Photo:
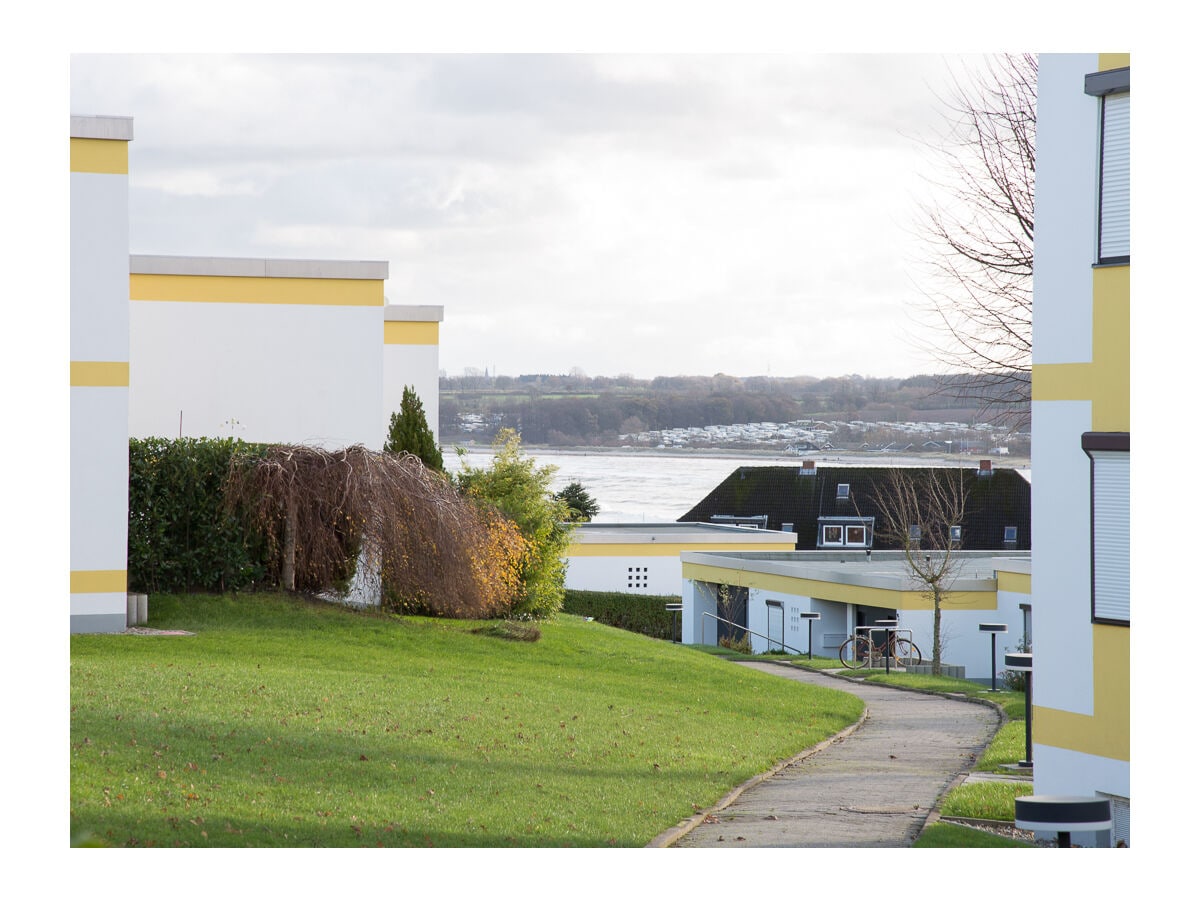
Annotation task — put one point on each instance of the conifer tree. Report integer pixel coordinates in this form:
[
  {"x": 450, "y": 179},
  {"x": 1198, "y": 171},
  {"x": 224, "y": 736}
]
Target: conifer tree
[{"x": 408, "y": 432}]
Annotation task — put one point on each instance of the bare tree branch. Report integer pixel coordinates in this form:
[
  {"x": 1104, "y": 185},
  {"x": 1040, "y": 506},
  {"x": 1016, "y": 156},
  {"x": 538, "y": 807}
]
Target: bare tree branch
[
  {"x": 979, "y": 236},
  {"x": 917, "y": 511}
]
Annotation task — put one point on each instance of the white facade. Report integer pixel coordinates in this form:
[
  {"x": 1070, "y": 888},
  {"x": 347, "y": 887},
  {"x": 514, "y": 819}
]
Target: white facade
[
  {"x": 1081, "y": 407},
  {"x": 645, "y": 558},
  {"x": 782, "y": 586},
  {"x": 272, "y": 351},
  {"x": 410, "y": 358},
  {"x": 99, "y": 371}
]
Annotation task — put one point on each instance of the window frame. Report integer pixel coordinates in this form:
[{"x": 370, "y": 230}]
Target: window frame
[
  {"x": 1108, "y": 443},
  {"x": 1106, "y": 86}
]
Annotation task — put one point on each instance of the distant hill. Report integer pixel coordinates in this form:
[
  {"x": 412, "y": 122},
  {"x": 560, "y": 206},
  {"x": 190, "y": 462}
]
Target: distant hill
[{"x": 578, "y": 411}]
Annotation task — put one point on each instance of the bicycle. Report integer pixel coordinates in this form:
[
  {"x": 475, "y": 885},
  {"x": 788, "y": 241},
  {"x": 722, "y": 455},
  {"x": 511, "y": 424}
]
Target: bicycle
[{"x": 859, "y": 650}]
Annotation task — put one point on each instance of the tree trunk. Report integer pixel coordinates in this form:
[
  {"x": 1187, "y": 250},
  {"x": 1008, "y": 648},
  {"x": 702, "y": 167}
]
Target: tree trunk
[
  {"x": 287, "y": 576},
  {"x": 937, "y": 632}
]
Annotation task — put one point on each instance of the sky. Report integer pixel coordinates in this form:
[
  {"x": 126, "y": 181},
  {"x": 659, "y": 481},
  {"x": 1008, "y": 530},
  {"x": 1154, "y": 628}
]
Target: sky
[{"x": 645, "y": 214}]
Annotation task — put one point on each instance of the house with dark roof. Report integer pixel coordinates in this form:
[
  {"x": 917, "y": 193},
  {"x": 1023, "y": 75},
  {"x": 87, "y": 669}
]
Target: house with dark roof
[{"x": 835, "y": 507}]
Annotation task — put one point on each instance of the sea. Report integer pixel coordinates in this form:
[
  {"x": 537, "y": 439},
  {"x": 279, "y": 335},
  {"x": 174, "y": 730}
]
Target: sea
[{"x": 644, "y": 486}]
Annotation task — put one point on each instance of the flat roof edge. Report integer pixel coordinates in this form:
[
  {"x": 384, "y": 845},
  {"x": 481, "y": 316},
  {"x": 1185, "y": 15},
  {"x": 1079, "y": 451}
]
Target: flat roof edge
[
  {"x": 104, "y": 128},
  {"x": 416, "y": 313},
  {"x": 244, "y": 267}
]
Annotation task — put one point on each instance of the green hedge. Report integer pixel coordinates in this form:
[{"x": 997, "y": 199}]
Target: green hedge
[
  {"x": 643, "y": 613},
  {"x": 181, "y": 537}
]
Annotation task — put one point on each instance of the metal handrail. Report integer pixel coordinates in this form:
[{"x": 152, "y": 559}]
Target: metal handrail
[{"x": 765, "y": 637}]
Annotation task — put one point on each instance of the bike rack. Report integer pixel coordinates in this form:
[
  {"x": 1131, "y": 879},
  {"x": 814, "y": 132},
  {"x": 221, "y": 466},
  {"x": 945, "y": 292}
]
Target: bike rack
[
  {"x": 703, "y": 622},
  {"x": 891, "y": 631}
]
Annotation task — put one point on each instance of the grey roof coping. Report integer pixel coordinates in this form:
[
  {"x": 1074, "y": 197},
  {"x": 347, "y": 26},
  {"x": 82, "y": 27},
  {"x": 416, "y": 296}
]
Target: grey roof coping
[
  {"x": 240, "y": 267},
  {"x": 416, "y": 313},
  {"x": 697, "y": 532},
  {"x": 105, "y": 128},
  {"x": 886, "y": 570}
]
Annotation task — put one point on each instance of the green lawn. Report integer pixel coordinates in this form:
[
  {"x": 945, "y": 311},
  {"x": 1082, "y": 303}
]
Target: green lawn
[
  {"x": 944, "y": 834},
  {"x": 287, "y": 723}
]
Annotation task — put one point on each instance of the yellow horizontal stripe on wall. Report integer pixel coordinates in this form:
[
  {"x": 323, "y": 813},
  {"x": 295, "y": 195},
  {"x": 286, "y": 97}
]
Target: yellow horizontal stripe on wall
[
  {"x": 1105, "y": 732},
  {"x": 99, "y": 374},
  {"x": 99, "y": 581},
  {"x": 103, "y": 157},
  {"x": 841, "y": 593},
  {"x": 1014, "y": 582},
  {"x": 1113, "y": 61},
  {"x": 232, "y": 289},
  {"x": 410, "y": 333},
  {"x": 668, "y": 549}
]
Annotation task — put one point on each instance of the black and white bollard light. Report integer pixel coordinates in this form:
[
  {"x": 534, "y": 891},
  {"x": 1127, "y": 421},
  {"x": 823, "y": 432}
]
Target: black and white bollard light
[
  {"x": 1063, "y": 815},
  {"x": 812, "y": 617},
  {"x": 1023, "y": 662},
  {"x": 993, "y": 629}
]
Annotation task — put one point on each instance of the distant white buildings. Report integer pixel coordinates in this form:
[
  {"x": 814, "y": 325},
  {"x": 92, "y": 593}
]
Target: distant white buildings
[{"x": 808, "y": 435}]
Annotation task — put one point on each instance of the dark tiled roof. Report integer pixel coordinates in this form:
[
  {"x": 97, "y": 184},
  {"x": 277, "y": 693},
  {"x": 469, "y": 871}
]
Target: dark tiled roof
[{"x": 783, "y": 494}]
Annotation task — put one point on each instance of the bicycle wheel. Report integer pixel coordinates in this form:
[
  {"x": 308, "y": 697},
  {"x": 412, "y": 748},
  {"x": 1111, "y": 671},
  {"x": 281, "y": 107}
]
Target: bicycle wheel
[
  {"x": 907, "y": 653},
  {"x": 854, "y": 652}
]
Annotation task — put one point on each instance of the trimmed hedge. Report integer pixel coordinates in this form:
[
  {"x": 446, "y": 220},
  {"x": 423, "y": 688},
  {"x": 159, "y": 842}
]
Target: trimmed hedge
[
  {"x": 181, "y": 536},
  {"x": 643, "y": 613}
]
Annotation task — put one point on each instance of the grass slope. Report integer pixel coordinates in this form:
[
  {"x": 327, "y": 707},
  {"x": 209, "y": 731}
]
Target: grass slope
[{"x": 288, "y": 723}]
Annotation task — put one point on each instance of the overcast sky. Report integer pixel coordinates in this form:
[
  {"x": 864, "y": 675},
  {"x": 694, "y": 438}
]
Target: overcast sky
[{"x": 644, "y": 214}]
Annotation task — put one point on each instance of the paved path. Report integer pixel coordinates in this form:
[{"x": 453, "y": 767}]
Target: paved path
[{"x": 872, "y": 788}]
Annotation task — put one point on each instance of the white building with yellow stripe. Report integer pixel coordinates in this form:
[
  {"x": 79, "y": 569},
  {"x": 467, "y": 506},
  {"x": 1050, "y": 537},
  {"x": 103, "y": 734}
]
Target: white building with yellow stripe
[
  {"x": 268, "y": 350},
  {"x": 646, "y": 558},
  {"x": 99, "y": 370},
  {"x": 1080, "y": 579},
  {"x": 274, "y": 350},
  {"x": 849, "y": 590}
]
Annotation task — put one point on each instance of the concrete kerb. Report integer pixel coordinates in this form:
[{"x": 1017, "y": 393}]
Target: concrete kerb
[{"x": 671, "y": 835}]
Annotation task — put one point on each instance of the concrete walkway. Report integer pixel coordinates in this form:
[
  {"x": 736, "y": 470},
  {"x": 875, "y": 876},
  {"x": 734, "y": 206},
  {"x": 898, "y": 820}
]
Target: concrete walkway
[{"x": 872, "y": 787}]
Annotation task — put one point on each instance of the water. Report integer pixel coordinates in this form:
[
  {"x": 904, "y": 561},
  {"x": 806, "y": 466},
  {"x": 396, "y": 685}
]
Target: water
[
  {"x": 633, "y": 488},
  {"x": 644, "y": 487}
]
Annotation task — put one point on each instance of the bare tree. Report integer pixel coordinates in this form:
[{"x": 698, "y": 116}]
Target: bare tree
[
  {"x": 979, "y": 233},
  {"x": 922, "y": 511}
]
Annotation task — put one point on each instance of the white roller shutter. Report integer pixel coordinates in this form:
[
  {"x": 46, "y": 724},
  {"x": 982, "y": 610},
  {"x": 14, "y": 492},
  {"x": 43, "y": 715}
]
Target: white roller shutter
[
  {"x": 1110, "y": 535},
  {"x": 1114, "y": 179}
]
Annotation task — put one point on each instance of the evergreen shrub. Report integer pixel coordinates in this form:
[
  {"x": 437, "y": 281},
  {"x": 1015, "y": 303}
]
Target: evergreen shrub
[
  {"x": 643, "y": 613},
  {"x": 181, "y": 535}
]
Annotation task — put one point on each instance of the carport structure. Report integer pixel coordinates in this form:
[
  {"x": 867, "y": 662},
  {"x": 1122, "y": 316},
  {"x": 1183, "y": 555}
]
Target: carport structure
[{"x": 855, "y": 589}]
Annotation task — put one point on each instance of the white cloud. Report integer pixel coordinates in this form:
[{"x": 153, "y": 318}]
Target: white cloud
[{"x": 620, "y": 213}]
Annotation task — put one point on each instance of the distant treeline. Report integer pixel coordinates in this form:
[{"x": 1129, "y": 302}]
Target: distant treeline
[{"x": 578, "y": 410}]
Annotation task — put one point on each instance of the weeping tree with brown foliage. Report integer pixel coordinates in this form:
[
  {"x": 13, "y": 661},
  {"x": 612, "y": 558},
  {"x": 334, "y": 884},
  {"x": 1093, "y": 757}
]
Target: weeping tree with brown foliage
[
  {"x": 918, "y": 511},
  {"x": 324, "y": 512}
]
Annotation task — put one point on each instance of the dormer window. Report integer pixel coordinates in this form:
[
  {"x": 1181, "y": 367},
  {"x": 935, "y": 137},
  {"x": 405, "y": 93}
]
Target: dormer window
[{"x": 845, "y": 531}]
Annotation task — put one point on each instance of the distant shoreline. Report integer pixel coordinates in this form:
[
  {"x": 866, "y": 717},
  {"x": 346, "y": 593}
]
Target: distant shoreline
[{"x": 851, "y": 457}]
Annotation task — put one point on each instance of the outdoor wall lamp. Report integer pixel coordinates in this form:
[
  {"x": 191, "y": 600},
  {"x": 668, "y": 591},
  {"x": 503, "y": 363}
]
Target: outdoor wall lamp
[{"x": 811, "y": 617}]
